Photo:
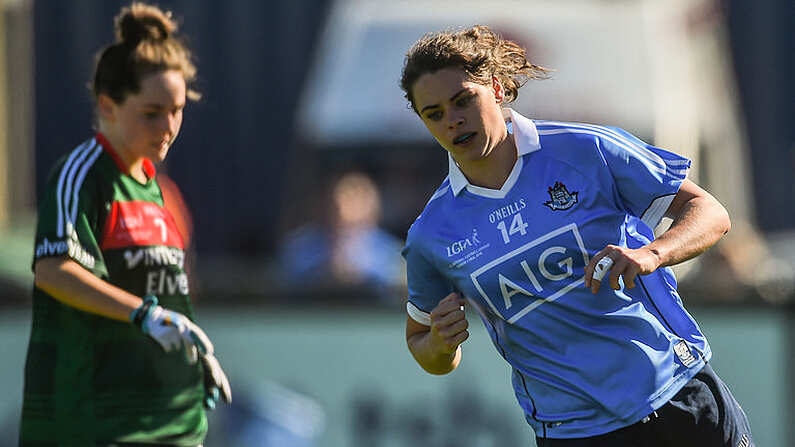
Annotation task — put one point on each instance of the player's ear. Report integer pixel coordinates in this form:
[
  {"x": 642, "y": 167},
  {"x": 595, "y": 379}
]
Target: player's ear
[
  {"x": 498, "y": 89},
  {"x": 106, "y": 108}
]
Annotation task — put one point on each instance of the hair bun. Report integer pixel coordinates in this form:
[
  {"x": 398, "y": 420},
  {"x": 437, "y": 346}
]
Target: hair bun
[{"x": 143, "y": 22}]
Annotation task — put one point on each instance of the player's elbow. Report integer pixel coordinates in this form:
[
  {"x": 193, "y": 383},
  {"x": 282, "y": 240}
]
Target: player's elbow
[
  {"x": 727, "y": 222},
  {"x": 723, "y": 222}
]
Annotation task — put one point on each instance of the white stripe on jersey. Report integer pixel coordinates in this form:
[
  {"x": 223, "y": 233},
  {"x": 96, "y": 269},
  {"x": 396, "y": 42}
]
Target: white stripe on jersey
[
  {"x": 629, "y": 144},
  {"x": 418, "y": 315},
  {"x": 656, "y": 211},
  {"x": 79, "y": 182},
  {"x": 606, "y": 130},
  {"x": 70, "y": 184},
  {"x": 67, "y": 171},
  {"x": 649, "y": 164}
]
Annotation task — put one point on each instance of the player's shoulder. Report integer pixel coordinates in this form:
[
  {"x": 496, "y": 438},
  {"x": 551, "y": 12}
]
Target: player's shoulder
[
  {"x": 575, "y": 131},
  {"x": 78, "y": 164},
  {"x": 585, "y": 133},
  {"x": 587, "y": 142}
]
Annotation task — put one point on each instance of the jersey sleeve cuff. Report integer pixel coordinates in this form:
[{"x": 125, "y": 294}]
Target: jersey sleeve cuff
[
  {"x": 418, "y": 315},
  {"x": 656, "y": 211},
  {"x": 68, "y": 246}
]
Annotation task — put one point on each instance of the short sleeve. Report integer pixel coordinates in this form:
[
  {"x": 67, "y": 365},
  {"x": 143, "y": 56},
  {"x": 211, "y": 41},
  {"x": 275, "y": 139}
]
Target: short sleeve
[
  {"x": 426, "y": 285},
  {"x": 67, "y": 212},
  {"x": 647, "y": 177}
]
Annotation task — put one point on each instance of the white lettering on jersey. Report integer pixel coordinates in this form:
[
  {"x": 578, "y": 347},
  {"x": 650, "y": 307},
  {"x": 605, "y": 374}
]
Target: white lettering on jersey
[
  {"x": 463, "y": 244},
  {"x": 531, "y": 276},
  {"x": 517, "y": 226},
  {"x": 69, "y": 247},
  {"x": 458, "y": 246},
  {"x": 51, "y": 248},
  {"x": 131, "y": 222},
  {"x": 159, "y": 222},
  {"x": 133, "y": 259},
  {"x": 515, "y": 288},
  {"x": 555, "y": 255},
  {"x": 568, "y": 263},
  {"x": 154, "y": 256},
  {"x": 507, "y": 211},
  {"x": 160, "y": 282}
]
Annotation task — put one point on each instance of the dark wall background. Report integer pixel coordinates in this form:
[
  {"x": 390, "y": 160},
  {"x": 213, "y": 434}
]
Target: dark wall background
[
  {"x": 762, "y": 37},
  {"x": 238, "y": 154}
]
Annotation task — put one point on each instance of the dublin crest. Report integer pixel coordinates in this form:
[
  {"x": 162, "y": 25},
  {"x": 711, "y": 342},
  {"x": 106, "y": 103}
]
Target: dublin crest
[{"x": 562, "y": 199}]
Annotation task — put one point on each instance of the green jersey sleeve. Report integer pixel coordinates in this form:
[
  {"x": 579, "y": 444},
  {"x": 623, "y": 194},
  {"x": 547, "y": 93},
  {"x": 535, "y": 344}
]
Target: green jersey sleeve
[{"x": 69, "y": 211}]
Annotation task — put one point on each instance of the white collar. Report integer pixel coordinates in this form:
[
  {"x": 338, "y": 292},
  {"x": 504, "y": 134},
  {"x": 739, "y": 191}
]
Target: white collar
[{"x": 525, "y": 136}]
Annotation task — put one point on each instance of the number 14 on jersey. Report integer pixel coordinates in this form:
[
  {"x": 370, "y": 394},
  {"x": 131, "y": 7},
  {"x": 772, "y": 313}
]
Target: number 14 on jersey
[{"x": 517, "y": 226}]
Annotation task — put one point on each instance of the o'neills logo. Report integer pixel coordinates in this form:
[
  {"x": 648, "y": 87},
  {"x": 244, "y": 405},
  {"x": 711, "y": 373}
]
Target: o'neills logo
[
  {"x": 507, "y": 211},
  {"x": 463, "y": 244}
]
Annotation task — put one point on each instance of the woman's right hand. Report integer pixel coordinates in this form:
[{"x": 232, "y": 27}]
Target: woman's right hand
[
  {"x": 437, "y": 345},
  {"x": 449, "y": 324}
]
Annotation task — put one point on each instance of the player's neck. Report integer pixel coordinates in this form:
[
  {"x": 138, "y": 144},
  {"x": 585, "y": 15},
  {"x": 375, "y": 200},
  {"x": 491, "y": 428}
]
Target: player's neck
[
  {"x": 494, "y": 169},
  {"x": 130, "y": 163}
]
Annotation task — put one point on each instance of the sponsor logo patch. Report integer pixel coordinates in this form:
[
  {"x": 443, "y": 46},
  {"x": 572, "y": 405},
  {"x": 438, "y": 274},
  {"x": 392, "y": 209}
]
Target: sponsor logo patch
[
  {"x": 683, "y": 352},
  {"x": 538, "y": 272},
  {"x": 561, "y": 198},
  {"x": 469, "y": 249},
  {"x": 462, "y": 245},
  {"x": 70, "y": 246},
  {"x": 139, "y": 223}
]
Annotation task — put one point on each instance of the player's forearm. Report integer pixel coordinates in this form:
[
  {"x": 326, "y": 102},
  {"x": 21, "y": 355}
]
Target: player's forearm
[
  {"x": 701, "y": 222},
  {"x": 430, "y": 357},
  {"x": 71, "y": 284}
]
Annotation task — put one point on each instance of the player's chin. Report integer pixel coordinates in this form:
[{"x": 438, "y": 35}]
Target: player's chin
[
  {"x": 160, "y": 154},
  {"x": 467, "y": 154}
]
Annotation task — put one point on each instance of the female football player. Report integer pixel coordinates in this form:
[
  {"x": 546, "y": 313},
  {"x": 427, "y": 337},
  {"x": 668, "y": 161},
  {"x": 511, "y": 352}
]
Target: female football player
[
  {"x": 523, "y": 229},
  {"x": 114, "y": 356}
]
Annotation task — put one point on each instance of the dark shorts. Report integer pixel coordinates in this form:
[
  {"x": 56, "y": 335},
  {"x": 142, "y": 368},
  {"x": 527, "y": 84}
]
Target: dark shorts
[{"x": 703, "y": 413}]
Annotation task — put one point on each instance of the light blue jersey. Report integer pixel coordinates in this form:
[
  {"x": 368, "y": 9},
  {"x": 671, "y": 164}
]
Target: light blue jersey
[{"x": 583, "y": 364}]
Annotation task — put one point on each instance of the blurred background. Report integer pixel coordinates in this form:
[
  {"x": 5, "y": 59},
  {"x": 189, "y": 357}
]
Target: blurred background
[{"x": 299, "y": 172}]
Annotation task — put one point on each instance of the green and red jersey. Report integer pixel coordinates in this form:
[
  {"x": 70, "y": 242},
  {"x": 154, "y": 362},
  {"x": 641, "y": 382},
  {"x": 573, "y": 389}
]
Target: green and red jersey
[{"x": 88, "y": 379}]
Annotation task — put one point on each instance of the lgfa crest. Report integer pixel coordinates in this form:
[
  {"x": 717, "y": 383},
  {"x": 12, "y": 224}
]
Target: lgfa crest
[{"x": 562, "y": 199}]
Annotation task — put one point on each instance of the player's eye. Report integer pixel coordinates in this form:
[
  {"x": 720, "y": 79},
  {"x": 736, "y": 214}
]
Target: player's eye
[
  {"x": 436, "y": 115},
  {"x": 464, "y": 100},
  {"x": 151, "y": 115}
]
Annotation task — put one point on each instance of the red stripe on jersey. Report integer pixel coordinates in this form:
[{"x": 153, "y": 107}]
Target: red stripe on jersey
[
  {"x": 148, "y": 166},
  {"x": 139, "y": 223}
]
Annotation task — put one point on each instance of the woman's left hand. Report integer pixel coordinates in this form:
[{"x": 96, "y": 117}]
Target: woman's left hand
[{"x": 627, "y": 262}]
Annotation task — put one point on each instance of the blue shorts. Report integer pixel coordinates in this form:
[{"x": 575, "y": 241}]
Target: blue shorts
[{"x": 703, "y": 413}]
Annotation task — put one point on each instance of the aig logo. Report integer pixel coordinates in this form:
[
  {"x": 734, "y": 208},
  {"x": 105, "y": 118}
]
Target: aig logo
[
  {"x": 538, "y": 272},
  {"x": 458, "y": 247}
]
